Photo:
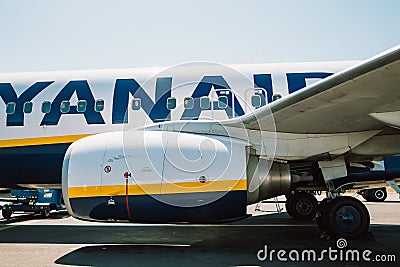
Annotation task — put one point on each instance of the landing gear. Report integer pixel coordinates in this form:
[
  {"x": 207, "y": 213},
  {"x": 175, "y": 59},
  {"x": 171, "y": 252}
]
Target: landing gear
[
  {"x": 374, "y": 195},
  {"x": 343, "y": 216},
  {"x": 302, "y": 206}
]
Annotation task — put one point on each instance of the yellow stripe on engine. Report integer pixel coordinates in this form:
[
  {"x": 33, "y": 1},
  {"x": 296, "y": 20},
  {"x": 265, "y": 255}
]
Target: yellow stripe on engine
[
  {"x": 192, "y": 187},
  {"x": 41, "y": 140},
  {"x": 154, "y": 189}
]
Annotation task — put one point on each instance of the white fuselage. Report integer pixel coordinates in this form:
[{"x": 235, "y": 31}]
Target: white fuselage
[{"x": 65, "y": 90}]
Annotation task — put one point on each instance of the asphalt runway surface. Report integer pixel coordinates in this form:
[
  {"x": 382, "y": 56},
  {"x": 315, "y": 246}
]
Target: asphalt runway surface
[{"x": 60, "y": 240}]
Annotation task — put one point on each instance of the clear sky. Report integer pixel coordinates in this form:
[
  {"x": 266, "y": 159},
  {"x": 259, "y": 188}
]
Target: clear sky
[{"x": 94, "y": 34}]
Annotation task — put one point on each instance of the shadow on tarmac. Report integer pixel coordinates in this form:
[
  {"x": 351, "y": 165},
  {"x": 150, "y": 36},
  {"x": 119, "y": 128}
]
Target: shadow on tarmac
[{"x": 191, "y": 245}]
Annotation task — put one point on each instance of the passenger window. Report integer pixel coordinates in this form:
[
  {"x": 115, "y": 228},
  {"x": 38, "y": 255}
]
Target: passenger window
[
  {"x": 222, "y": 102},
  {"x": 256, "y": 101},
  {"x": 10, "y": 108},
  {"x": 65, "y": 106},
  {"x": 188, "y": 103},
  {"x": 276, "y": 97},
  {"x": 171, "y": 103},
  {"x": 136, "y": 104},
  {"x": 82, "y": 106},
  {"x": 28, "y": 106},
  {"x": 46, "y": 107},
  {"x": 204, "y": 102},
  {"x": 99, "y": 105}
]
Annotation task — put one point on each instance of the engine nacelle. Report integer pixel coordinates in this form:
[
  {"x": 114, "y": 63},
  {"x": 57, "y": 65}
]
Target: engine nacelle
[{"x": 157, "y": 176}]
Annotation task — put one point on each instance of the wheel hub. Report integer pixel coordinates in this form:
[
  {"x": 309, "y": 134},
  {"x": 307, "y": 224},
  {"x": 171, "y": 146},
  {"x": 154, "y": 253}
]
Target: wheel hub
[
  {"x": 304, "y": 207},
  {"x": 348, "y": 219}
]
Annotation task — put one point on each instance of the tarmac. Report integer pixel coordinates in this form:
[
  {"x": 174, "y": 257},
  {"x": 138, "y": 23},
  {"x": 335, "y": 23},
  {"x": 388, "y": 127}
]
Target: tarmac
[{"x": 26, "y": 240}]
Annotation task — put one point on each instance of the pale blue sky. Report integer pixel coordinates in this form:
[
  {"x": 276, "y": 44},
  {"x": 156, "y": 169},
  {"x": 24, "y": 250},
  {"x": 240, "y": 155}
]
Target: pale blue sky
[{"x": 76, "y": 34}]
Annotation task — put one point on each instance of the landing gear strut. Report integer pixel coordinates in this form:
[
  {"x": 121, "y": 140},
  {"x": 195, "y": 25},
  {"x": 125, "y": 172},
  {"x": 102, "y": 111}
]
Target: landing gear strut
[
  {"x": 302, "y": 206},
  {"x": 343, "y": 216}
]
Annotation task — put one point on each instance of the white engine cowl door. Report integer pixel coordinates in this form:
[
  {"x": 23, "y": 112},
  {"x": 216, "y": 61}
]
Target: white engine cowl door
[
  {"x": 144, "y": 157},
  {"x": 199, "y": 169}
]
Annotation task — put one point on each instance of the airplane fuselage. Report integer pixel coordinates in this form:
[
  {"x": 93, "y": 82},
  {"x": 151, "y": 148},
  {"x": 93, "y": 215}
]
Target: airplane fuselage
[{"x": 43, "y": 113}]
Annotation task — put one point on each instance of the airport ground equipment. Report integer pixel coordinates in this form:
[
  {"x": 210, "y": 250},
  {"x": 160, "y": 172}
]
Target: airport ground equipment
[
  {"x": 374, "y": 195},
  {"x": 380, "y": 194},
  {"x": 40, "y": 201}
]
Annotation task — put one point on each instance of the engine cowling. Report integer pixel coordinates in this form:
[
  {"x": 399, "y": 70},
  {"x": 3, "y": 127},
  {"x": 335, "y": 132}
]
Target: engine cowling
[{"x": 157, "y": 176}]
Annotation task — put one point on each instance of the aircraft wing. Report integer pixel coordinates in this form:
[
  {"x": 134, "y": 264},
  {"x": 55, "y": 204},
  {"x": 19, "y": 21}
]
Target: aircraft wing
[{"x": 365, "y": 97}]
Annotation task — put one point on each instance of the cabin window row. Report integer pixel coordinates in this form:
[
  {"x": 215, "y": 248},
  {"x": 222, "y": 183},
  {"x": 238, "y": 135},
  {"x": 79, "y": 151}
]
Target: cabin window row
[
  {"x": 188, "y": 103},
  {"x": 65, "y": 106}
]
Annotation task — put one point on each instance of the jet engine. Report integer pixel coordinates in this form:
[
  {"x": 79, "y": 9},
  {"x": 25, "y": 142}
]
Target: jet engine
[{"x": 157, "y": 176}]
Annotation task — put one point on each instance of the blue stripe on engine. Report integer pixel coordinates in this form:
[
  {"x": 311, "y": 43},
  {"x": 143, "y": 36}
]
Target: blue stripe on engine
[{"x": 145, "y": 208}]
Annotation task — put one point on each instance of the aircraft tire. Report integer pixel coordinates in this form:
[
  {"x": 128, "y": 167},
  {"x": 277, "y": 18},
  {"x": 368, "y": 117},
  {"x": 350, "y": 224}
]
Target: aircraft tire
[
  {"x": 347, "y": 217},
  {"x": 302, "y": 206},
  {"x": 288, "y": 207}
]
